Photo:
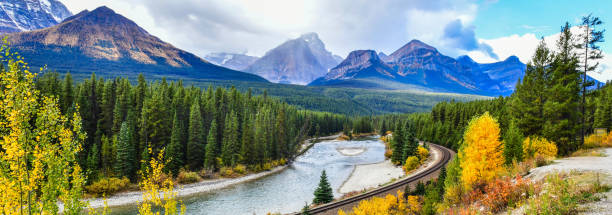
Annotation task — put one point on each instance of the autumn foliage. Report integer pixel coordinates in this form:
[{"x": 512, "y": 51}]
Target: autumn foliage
[
  {"x": 158, "y": 190},
  {"x": 411, "y": 164},
  {"x": 389, "y": 205},
  {"x": 539, "y": 146},
  {"x": 595, "y": 140},
  {"x": 38, "y": 158},
  {"x": 423, "y": 153},
  {"x": 481, "y": 158},
  {"x": 504, "y": 192}
]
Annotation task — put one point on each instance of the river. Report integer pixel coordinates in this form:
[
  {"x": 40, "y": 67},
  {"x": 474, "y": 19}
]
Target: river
[{"x": 286, "y": 191}]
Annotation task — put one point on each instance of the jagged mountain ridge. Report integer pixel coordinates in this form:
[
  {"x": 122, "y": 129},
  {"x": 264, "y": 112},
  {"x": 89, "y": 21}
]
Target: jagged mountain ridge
[
  {"x": 27, "y": 15},
  {"x": 297, "y": 61},
  {"x": 103, "y": 41},
  {"x": 419, "y": 65}
]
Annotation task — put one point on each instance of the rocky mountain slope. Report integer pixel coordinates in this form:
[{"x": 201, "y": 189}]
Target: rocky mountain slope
[
  {"x": 107, "y": 43},
  {"x": 419, "y": 65},
  {"x": 297, "y": 61}
]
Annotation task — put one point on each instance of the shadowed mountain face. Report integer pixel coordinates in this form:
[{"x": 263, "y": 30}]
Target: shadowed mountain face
[
  {"x": 104, "y": 42},
  {"x": 27, "y": 15},
  {"x": 418, "y": 65},
  {"x": 230, "y": 60},
  {"x": 297, "y": 61}
]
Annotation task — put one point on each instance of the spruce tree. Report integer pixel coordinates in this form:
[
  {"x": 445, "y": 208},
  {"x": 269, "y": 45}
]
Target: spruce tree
[
  {"x": 174, "y": 153},
  {"x": 67, "y": 94},
  {"x": 211, "y": 144},
  {"x": 247, "y": 145},
  {"x": 124, "y": 163},
  {"x": 410, "y": 145},
  {"x": 324, "y": 193},
  {"x": 562, "y": 121},
  {"x": 591, "y": 51},
  {"x": 397, "y": 144},
  {"x": 108, "y": 153},
  {"x": 527, "y": 105},
  {"x": 93, "y": 161},
  {"x": 195, "y": 145}
]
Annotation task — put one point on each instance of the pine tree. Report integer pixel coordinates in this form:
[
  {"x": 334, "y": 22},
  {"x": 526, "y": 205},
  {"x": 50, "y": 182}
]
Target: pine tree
[
  {"x": 410, "y": 145},
  {"x": 122, "y": 105},
  {"x": 231, "y": 146},
  {"x": 211, "y": 144},
  {"x": 67, "y": 94},
  {"x": 124, "y": 165},
  {"x": 528, "y": 99},
  {"x": 397, "y": 144},
  {"x": 93, "y": 161},
  {"x": 590, "y": 39},
  {"x": 513, "y": 144},
  {"x": 562, "y": 121},
  {"x": 247, "y": 146},
  {"x": 324, "y": 193},
  {"x": 156, "y": 127},
  {"x": 174, "y": 153},
  {"x": 108, "y": 153},
  {"x": 195, "y": 145}
]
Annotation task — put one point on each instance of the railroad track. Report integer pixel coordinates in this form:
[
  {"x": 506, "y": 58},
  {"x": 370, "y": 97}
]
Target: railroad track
[{"x": 446, "y": 156}]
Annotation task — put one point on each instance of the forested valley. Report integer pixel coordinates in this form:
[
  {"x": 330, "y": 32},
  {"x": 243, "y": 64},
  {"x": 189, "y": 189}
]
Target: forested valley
[{"x": 201, "y": 129}]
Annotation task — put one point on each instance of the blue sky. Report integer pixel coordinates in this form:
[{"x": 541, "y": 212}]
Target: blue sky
[
  {"x": 541, "y": 17},
  {"x": 486, "y": 30}
]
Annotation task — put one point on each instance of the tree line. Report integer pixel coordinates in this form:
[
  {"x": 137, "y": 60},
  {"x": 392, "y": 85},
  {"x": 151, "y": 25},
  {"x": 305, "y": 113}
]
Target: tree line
[{"x": 199, "y": 128}]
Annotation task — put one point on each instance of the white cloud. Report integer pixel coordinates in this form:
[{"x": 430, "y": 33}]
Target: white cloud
[
  {"x": 523, "y": 46},
  {"x": 203, "y": 26}
]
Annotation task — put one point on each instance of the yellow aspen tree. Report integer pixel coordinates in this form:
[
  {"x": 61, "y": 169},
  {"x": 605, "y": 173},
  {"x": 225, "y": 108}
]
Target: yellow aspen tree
[
  {"x": 158, "y": 190},
  {"x": 482, "y": 155},
  {"x": 539, "y": 146},
  {"x": 38, "y": 160}
]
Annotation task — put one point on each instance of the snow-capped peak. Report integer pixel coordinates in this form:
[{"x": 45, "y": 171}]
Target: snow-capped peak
[{"x": 27, "y": 15}]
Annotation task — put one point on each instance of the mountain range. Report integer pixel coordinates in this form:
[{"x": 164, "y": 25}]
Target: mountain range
[
  {"x": 109, "y": 44},
  {"x": 297, "y": 61},
  {"x": 27, "y": 15},
  {"x": 231, "y": 60},
  {"x": 421, "y": 66}
]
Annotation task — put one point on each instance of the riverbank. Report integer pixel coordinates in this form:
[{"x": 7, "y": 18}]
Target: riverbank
[
  {"x": 132, "y": 197},
  {"x": 369, "y": 176}
]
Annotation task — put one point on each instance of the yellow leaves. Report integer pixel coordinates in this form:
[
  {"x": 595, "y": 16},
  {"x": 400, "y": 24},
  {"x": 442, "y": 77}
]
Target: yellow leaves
[
  {"x": 423, "y": 153},
  {"x": 481, "y": 157},
  {"x": 598, "y": 140},
  {"x": 539, "y": 146},
  {"x": 389, "y": 205},
  {"x": 38, "y": 155},
  {"x": 158, "y": 189},
  {"x": 411, "y": 164}
]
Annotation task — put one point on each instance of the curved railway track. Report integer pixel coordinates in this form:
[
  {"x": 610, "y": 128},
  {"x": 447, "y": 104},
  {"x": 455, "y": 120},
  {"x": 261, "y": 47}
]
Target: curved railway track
[{"x": 446, "y": 156}]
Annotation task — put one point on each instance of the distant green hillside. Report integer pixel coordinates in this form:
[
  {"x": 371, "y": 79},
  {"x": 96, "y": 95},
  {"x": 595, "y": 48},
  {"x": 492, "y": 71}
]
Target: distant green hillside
[
  {"x": 351, "y": 101},
  {"x": 343, "y": 100}
]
